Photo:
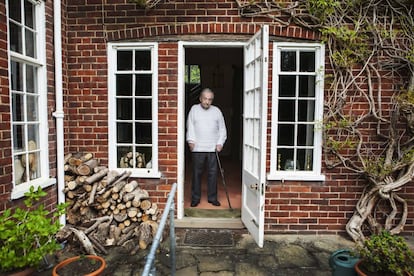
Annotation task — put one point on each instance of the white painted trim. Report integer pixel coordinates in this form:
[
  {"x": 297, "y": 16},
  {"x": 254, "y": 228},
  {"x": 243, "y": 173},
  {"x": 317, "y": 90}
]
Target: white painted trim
[
  {"x": 314, "y": 175},
  {"x": 112, "y": 155},
  {"x": 181, "y": 124}
]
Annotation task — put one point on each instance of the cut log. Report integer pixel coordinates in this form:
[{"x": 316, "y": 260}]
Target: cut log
[
  {"x": 129, "y": 187},
  {"x": 120, "y": 217},
  {"x": 87, "y": 168},
  {"x": 132, "y": 212},
  {"x": 96, "y": 177},
  {"x": 118, "y": 186},
  {"x": 71, "y": 185},
  {"x": 145, "y": 204},
  {"x": 92, "y": 194},
  {"x": 84, "y": 240},
  {"x": 147, "y": 231}
]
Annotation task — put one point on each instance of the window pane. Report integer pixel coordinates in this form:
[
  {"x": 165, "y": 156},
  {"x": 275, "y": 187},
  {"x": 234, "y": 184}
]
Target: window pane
[
  {"x": 34, "y": 167},
  {"x": 287, "y": 110},
  {"x": 143, "y": 60},
  {"x": 30, "y": 44},
  {"x": 29, "y": 19},
  {"x": 286, "y": 135},
  {"x": 306, "y": 111},
  {"x": 124, "y": 60},
  {"x": 307, "y": 62},
  {"x": 143, "y": 85},
  {"x": 16, "y": 76},
  {"x": 305, "y": 159},
  {"x": 143, "y": 133},
  {"x": 31, "y": 79},
  {"x": 124, "y": 85},
  {"x": 287, "y": 85},
  {"x": 305, "y": 135},
  {"x": 18, "y": 107},
  {"x": 124, "y": 109},
  {"x": 15, "y": 10},
  {"x": 19, "y": 170},
  {"x": 16, "y": 38},
  {"x": 144, "y": 156},
  {"x": 124, "y": 132},
  {"x": 32, "y": 108},
  {"x": 288, "y": 61},
  {"x": 306, "y": 86},
  {"x": 33, "y": 135},
  {"x": 18, "y": 136},
  {"x": 124, "y": 155},
  {"x": 285, "y": 159},
  {"x": 143, "y": 110}
]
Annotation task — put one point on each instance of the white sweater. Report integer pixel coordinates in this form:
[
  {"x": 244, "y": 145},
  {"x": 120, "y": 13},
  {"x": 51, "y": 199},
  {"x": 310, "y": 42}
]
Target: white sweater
[{"x": 206, "y": 128}]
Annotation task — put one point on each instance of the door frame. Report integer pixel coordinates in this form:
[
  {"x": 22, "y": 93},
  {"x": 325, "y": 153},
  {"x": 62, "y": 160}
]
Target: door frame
[{"x": 181, "y": 110}]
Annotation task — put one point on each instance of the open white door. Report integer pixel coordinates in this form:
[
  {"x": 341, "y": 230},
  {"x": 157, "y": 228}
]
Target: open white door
[{"x": 254, "y": 133}]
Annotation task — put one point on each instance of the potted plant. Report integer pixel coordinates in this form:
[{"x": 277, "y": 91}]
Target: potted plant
[
  {"x": 384, "y": 254},
  {"x": 27, "y": 234}
]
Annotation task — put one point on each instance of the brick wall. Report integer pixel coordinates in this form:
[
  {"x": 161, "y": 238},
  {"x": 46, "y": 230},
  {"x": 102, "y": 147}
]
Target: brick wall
[{"x": 291, "y": 207}]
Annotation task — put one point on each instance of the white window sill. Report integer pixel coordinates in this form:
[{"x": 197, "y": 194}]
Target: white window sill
[
  {"x": 21, "y": 189},
  {"x": 296, "y": 176},
  {"x": 141, "y": 173}
]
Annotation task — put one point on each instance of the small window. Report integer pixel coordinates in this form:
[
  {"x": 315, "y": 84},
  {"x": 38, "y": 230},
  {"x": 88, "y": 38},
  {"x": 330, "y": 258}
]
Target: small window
[
  {"x": 133, "y": 108},
  {"x": 296, "y": 109}
]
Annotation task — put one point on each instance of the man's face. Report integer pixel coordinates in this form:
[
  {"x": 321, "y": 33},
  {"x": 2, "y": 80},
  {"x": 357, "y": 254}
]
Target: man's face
[{"x": 206, "y": 99}]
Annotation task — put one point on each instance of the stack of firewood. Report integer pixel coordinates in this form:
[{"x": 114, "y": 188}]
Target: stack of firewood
[{"x": 104, "y": 208}]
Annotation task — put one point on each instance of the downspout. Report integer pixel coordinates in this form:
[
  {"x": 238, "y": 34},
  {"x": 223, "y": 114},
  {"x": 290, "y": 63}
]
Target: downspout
[{"x": 59, "y": 114}]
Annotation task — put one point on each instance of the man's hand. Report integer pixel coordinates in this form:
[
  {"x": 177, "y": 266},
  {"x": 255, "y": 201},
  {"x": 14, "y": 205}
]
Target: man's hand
[
  {"x": 191, "y": 146},
  {"x": 219, "y": 148}
]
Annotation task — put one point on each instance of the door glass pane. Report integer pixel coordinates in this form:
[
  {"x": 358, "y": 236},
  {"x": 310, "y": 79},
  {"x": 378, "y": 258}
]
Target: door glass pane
[
  {"x": 287, "y": 110},
  {"x": 285, "y": 135},
  {"x": 306, "y": 86},
  {"x": 123, "y": 109},
  {"x": 143, "y": 133},
  {"x": 15, "y": 38},
  {"x": 29, "y": 14},
  {"x": 124, "y": 85},
  {"x": 143, "y": 60},
  {"x": 306, "y": 110},
  {"x": 307, "y": 62},
  {"x": 32, "y": 110},
  {"x": 305, "y": 135},
  {"x": 143, "y": 85},
  {"x": 30, "y": 43},
  {"x": 124, "y": 155},
  {"x": 15, "y": 11},
  {"x": 143, "y": 157},
  {"x": 18, "y": 108},
  {"x": 288, "y": 61},
  {"x": 18, "y": 135},
  {"x": 124, "y": 132},
  {"x": 143, "y": 109},
  {"x": 287, "y": 85},
  {"x": 124, "y": 60}
]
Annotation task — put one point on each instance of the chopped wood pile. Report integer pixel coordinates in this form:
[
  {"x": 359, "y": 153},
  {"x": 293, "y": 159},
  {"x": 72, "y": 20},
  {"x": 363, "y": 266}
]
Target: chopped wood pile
[{"x": 104, "y": 208}]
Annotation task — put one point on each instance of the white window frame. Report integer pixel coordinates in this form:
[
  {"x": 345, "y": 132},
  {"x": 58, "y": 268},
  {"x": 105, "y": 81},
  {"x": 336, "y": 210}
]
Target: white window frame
[
  {"x": 40, "y": 63},
  {"x": 315, "y": 174},
  {"x": 113, "y": 161}
]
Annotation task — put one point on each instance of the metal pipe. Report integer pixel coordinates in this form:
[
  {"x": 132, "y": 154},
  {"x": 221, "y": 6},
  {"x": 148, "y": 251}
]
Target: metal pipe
[{"x": 158, "y": 235}]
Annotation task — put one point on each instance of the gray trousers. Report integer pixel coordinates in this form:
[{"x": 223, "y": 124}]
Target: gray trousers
[{"x": 199, "y": 160}]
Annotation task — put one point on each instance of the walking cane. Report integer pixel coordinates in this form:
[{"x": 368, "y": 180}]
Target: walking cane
[{"x": 222, "y": 177}]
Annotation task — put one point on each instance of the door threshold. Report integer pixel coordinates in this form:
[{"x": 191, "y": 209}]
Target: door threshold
[{"x": 214, "y": 223}]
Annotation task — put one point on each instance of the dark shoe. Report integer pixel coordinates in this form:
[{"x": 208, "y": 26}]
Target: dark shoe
[
  {"x": 215, "y": 202},
  {"x": 194, "y": 203}
]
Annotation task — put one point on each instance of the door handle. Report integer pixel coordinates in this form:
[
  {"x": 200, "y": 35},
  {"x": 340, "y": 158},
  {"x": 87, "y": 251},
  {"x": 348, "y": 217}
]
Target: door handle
[{"x": 254, "y": 186}]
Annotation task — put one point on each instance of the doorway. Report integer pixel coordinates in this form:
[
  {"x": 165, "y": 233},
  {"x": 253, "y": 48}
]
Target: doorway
[{"x": 221, "y": 69}]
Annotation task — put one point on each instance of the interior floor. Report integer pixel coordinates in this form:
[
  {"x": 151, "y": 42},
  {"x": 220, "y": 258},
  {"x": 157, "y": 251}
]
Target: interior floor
[{"x": 232, "y": 180}]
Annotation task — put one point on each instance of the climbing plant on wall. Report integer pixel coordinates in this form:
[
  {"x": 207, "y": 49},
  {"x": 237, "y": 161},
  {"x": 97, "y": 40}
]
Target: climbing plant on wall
[{"x": 369, "y": 101}]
